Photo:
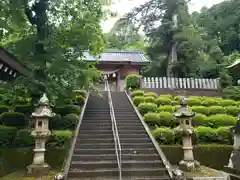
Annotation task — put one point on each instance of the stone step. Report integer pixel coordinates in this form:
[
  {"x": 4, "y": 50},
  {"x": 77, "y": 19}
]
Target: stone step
[
  {"x": 86, "y": 165},
  {"x": 94, "y": 131},
  {"x": 109, "y": 157},
  {"x": 99, "y": 151},
  {"x": 130, "y": 172},
  {"x": 117, "y": 178},
  {"x": 93, "y": 136},
  {"x": 111, "y": 140},
  {"x": 130, "y": 136},
  {"x": 111, "y": 145}
]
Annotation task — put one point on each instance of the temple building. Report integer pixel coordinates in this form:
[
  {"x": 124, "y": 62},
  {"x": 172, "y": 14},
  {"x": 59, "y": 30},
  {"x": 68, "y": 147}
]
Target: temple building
[
  {"x": 117, "y": 65},
  {"x": 10, "y": 67}
]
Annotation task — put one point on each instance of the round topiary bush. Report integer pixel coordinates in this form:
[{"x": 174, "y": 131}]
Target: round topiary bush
[
  {"x": 166, "y": 108},
  {"x": 152, "y": 94},
  {"x": 210, "y": 102},
  {"x": 55, "y": 122},
  {"x": 227, "y": 102},
  {"x": 206, "y": 134},
  {"x": 69, "y": 121},
  {"x": 13, "y": 119},
  {"x": 166, "y": 119},
  {"x": 68, "y": 109},
  {"x": 216, "y": 110},
  {"x": 163, "y": 101},
  {"x": 194, "y": 101},
  {"x": 25, "y": 109},
  {"x": 164, "y": 136},
  {"x": 232, "y": 110},
  {"x": 147, "y": 107},
  {"x": 24, "y": 138},
  {"x": 200, "y": 120},
  {"x": 60, "y": 139},
  {"x": 224, "y": 135},
  {"x": 3, "y": 109},
  {"x": 80, "y": 93},
  {"x": 200, "y": 109},
  {"x": 137, "y": 93},
  {"x": 150, "y": 99},
  {"x": 219, "y": 120},
  {"x": 79, "y": 100},
  {"x": 151, "y": 118},
  {"x": 7, "y": 135},
  {"x": 138, "y": 99},
  {"x": 133, "y": 81}
]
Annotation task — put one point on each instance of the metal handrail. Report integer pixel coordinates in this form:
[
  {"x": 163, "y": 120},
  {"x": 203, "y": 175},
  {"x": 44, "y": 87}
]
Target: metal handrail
[{"x": 118, "y": 148}]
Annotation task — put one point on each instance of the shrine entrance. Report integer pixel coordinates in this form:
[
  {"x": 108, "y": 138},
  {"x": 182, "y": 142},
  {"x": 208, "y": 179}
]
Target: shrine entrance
[{"x": 112, "y": 78}]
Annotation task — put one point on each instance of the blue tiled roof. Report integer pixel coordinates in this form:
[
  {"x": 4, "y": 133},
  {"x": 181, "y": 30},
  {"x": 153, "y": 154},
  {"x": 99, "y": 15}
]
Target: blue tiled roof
[{"x": 118, "y": 56}]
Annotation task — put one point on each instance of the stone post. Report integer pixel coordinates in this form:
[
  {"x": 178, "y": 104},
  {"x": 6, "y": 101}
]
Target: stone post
[
  {"x": 233, "y": 166},
  {"x": 185, "y": 115},
  {"x": 41, "y": 133}
]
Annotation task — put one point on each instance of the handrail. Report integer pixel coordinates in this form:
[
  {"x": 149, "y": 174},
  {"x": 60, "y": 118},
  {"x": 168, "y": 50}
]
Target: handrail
[
  {"x": 159, "y": 150},
  {"x": 67, "y": 162},
  {"x": 118, "y": 148}
]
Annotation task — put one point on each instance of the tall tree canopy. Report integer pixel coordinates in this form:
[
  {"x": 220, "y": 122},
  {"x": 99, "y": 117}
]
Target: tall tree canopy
[{"x": 50, "y": 37}]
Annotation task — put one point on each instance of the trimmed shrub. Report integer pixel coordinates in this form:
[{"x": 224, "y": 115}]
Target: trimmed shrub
[
  {"x": 68, "y": 109},
  {"x": 167, "y": 96},
  {"x": 163, "y": 101},
  {"x": 164, "y": 135},
  {"x": 210, "y": 102},
  {"x": 166, "y": 119},
  {"x": 55, "y": 122},
  {"x": 151, "y": 118},
  {"x": 232, "y": 110},
  {"x": 24, "y": 138},
  {"x": 174, "y": 103},
  {"x": 219, "y": 120},
  {"x": 216, "y": 110},
  {"x": 200, "y": 109},
  {"x": 206, "y": 134},
  {"x": 7, "y": 135},
  {"x": 69, "y": 121},
  {"x": 166, "y": 108},
  {"x": 138, "y": 99},
  {"x": 137, "y": 93},
  {"x": 133, "y": 81},
  {"x": 227, "y": 102},
  {"x": 200, "y": 120},
  {"x": 152, "y": 94},
  {"x": 13, "y": 119},
  {"x": 25, "y": 109},
  {"x": 79, "y": 100},
  {"x": 232, "y": 93},
  {"x": 147, "y": 107},
  {"x": 194, "y": 101},
  {"x": 3, "y": 109},
  {"x": 80, "y": 92},
  {"x": 150, "y": 99},
  {"x": 224, "y": 135},
  {"x": 3, "y": 91},
  {"x": 60, "y": 139},
  {"x": 177, "y": 98}
]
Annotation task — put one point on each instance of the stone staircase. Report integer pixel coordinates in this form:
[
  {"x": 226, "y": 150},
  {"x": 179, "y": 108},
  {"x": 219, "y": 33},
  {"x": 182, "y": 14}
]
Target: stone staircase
[
  {"x": 94, "y": 153},
  {"x": 140, "y": 159}
]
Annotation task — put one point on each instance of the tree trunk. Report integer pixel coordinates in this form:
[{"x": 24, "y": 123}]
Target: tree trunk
[{"x": 172, "y": 60}]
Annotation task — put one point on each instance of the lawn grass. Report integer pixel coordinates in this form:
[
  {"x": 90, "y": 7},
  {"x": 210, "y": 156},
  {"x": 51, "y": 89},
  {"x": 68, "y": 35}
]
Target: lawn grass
[{"x": 20, "y": 175}]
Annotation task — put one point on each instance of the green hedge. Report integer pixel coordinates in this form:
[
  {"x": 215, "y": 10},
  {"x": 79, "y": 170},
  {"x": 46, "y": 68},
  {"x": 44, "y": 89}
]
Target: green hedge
[
  {"x": 133, "y": 81},
  {"x": 147, "y": 107},
  {"x": 13, "y": 119},
  {"x": 19, "y": 158},
  {"x": 68, "y": 121},
  {"x": 68, "y": 109},
  {"x": 137, "y": 93},
  {"x": 214, "y": 156}
]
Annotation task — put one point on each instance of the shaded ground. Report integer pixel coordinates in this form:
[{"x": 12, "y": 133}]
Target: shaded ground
[{"x": 20, "y": 175}]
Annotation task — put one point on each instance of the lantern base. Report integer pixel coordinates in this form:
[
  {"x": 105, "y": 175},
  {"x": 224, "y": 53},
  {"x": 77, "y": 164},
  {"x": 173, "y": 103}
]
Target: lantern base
[
  {"x": 35, "y": 170},
  {"x": 189, "y": 166}
]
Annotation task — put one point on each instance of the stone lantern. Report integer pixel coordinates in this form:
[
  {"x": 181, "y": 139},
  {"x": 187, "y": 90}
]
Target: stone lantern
[
  {"x": 233, "y": 166},
  {"x": 41, "y": 133},
  {"x": 184, "y": 114}
]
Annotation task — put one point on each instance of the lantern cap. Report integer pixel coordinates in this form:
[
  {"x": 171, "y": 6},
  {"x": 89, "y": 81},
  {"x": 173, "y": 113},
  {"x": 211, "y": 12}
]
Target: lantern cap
[
  {"x": 184, "y": 111},
  {"x": 44, "y": 101}
]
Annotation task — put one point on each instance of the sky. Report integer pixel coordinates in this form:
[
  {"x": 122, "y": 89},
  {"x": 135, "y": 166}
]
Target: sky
[{"x": 125, "y": 6}]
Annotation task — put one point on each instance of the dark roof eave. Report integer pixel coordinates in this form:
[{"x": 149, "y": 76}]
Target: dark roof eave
[{"x": 120, "y": 62}]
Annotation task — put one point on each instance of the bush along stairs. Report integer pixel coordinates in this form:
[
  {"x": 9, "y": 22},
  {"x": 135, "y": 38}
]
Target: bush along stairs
[
  {"x": 140, "y": 158},
  {"x": 94, "y": 154}
]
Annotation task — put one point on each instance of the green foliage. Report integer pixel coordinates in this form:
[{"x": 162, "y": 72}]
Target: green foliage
[
  {"x": 56, "y": 122},
  {"x": 161, "y": 100},
  {"x": 224, "y": 135},
  {"x": 152, "y": 94},
  {"x": 219, "y": 120},
  {"x": 60, "y": 139},
  {"x": 205, "y": 134},
  {"x": 164, "y": 135},
  {"x": 69, "y": 121},
  {"x": 200, "y": 109},
  {"x": 194, "y": 101},
  {"x": 68, "y": 109},
  {"x": 166, "y": 119},
  {"x": 200, "y": 120},
  {"x": 133, "y": 81},
  {"x": 232, "y": 93},
  {"x": 233, "y": 110},
  {"x": 210, "y": 102},
  {"x": 151, "y": 118},
  {"x": 216, "y": 110},
  {"x": 7, "y": 135},
  {"x": 80, "y": 93},
  {"x": 147, "y": 107},
  {"x": 166, "y": 108},
  {"x": 13, "y": 119},
  {"x": 137, "y": 93},
  {"x": 227, "y": 102},
  {"x": 149, "y": 99},
  {"x": 24, "y": 138},
  {"x": 138, "y": 99},
  {"x": 3, "y": 109},
  {"x": 79, "y": 100},
  {"x": 25, "y": 109}
]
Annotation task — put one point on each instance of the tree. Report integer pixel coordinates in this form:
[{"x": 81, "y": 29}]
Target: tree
[{"x": 52, "y": 41}]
